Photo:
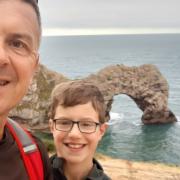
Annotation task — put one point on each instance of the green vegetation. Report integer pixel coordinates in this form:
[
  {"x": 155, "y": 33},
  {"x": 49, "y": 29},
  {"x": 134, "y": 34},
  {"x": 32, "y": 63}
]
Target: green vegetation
[
  {"x": 49, "y": 145},
  {"x": 44, "y": 87},
  {"x": 47, "y": 139}
]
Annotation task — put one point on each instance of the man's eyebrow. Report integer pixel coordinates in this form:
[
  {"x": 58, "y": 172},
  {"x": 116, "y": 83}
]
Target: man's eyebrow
[{"x": 22, "y": 36}]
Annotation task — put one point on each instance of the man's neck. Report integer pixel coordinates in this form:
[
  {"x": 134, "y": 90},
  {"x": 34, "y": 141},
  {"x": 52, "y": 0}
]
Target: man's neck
[
  {"x": 77, "y": 172},
  {"x": 2, "y": 125}
]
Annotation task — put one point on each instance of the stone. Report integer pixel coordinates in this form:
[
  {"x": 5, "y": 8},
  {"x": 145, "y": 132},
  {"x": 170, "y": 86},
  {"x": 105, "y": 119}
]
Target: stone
[{"x": 145, "y": 85}]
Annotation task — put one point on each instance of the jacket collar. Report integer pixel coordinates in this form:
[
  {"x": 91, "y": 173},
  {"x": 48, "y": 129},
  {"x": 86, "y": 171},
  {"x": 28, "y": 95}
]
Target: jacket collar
[{"x": 96, "y": 172}]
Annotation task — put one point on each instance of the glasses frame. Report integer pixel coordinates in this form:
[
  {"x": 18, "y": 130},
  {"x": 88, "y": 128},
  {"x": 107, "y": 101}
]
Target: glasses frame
[{"x": 76, "y": 122}]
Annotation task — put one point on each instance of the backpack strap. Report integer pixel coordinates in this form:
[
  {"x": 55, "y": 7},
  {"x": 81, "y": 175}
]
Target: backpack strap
[{"x": 28, "y": 149}]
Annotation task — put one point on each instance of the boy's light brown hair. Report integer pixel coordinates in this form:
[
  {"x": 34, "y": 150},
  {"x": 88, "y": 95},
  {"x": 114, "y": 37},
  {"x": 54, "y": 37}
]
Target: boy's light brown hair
[{"x": 72, "y": 93}]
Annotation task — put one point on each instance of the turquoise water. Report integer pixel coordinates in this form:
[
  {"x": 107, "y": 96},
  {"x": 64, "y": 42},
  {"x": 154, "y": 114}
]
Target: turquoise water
[{"x": 127, "y": 137}]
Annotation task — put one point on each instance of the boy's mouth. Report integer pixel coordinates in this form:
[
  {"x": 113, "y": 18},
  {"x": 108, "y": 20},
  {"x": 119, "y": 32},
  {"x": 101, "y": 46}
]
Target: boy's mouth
[{"x": 75, "y": 146}]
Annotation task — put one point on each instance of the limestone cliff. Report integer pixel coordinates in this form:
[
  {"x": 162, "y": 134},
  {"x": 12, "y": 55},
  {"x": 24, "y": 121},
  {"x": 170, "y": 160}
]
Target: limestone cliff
[
  {"x": 34, "y": 107},
  {"x": 144, "y": 84}
]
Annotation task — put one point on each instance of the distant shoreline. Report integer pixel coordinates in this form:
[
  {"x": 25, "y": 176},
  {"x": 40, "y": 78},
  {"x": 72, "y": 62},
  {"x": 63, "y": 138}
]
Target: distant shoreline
[{"x": 107, "y": 31}]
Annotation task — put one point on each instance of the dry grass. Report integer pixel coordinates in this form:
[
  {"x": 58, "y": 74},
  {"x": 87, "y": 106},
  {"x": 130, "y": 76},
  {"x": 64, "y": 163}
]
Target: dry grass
[{"x": 128, "y": 170}]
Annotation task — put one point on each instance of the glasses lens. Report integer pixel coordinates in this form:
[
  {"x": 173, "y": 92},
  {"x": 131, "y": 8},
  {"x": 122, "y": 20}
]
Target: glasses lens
[
  {"x": 87, "y": 126},
  {"x": 63, "y": 125}
]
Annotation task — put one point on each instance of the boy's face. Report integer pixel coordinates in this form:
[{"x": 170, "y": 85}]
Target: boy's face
[{"x": 74, "y": 146}]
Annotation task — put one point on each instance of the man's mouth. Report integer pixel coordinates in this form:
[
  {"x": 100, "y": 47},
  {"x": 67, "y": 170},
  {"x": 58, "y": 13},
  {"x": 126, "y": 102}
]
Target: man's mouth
[{"x": 3, "y": 82}]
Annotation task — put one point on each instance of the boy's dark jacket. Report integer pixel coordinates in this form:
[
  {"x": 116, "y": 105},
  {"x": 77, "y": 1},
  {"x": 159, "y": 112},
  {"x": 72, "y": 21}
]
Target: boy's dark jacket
[{"x": 96, "y": 173}]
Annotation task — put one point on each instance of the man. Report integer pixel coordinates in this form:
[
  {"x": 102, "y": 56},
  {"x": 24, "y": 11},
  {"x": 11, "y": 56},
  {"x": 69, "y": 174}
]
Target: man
[{"x": 22, "y": 157}]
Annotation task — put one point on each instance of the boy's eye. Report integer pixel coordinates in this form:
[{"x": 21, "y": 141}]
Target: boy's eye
[
  {"x": 64, "y": 122},
  {"x": 87, "y": 124}
]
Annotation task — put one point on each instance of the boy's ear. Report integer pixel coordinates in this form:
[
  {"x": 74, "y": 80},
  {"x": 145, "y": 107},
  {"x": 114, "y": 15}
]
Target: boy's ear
[
  {"x": 103, "y": 128},
  {"x": 51, "y": 125}
]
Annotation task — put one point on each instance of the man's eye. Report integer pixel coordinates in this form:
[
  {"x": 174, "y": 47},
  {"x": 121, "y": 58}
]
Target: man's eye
[
  {"x": 17, "y": 44},
  {"x": 19, "y": 47}
]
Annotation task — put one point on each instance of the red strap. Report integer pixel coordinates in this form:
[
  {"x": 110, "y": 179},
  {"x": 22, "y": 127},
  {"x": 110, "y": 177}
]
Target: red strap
[{"x": 32, "y": 161}]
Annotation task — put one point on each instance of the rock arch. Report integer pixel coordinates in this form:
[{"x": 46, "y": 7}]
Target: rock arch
[{"x": 145, "y": 85}]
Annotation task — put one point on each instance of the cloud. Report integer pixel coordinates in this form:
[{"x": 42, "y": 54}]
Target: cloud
[{"x": 110, "y": 13}]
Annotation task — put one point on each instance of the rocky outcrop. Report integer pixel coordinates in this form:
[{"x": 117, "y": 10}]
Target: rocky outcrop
[
  {"x": 33, "y": 108},
  {"x": 145, "y": 85}
]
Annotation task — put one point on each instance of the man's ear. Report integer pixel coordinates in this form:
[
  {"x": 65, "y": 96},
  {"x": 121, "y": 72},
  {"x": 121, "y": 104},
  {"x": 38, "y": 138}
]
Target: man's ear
[
  {"x": 37, "y": 61},
  {"x": 35, "y": 67},
  {"x": 51, "y": 125}
]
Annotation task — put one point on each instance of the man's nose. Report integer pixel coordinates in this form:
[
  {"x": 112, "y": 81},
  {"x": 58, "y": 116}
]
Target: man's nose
[{"x": 4, "y": 60}]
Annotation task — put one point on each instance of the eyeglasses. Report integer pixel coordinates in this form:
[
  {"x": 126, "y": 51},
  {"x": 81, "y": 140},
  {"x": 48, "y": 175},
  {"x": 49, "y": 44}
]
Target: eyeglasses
[{"x": 84, "y": 126}]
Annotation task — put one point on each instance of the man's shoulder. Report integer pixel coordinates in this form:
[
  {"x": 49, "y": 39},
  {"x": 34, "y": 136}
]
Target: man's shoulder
[
  {"x": 38, "y": 141},
  {"x": 44, "y": 155}
]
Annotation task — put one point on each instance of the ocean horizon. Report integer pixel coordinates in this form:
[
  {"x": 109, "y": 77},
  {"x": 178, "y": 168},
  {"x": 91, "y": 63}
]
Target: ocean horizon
[
  {"x": 107, "y": 31},
  {"x": 127, "y": 137}
]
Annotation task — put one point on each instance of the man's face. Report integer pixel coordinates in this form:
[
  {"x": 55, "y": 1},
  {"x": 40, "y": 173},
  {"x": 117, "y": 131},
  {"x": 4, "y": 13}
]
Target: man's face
[
  {"x": 75, "y": 146},
  {"x": 19, "y": 38}
]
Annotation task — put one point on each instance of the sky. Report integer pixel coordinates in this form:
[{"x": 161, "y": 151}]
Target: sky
[{"x": 108, "y": 16}]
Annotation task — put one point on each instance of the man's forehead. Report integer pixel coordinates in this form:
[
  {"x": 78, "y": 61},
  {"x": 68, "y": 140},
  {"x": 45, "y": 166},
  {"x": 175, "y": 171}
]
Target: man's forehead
[{"x": 19, "y": 19}]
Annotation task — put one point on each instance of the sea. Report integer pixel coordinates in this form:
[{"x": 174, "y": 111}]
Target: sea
[{"x": 127, "y": 137}]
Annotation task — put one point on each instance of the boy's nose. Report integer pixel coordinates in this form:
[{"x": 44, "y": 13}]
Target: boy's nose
[{"x": 75, "y": 130}]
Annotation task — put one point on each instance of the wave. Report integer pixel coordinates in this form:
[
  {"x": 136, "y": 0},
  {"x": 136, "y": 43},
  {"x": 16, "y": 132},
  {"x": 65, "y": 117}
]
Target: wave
[
  {"x": 115, "y": 117},
  {"x": 178, "y": 119}
]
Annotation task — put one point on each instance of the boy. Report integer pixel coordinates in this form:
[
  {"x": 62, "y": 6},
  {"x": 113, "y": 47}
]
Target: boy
[{"x": 77, "y": 122}]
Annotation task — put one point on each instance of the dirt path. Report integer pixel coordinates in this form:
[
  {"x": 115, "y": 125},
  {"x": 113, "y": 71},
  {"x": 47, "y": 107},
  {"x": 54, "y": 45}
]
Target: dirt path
[{"x": 128, "y": 170}]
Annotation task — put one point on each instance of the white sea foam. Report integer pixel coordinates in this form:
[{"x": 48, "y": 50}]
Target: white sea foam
[
  {"x": 115, "y": 117},
  {"x": 178, "y": 119}
]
